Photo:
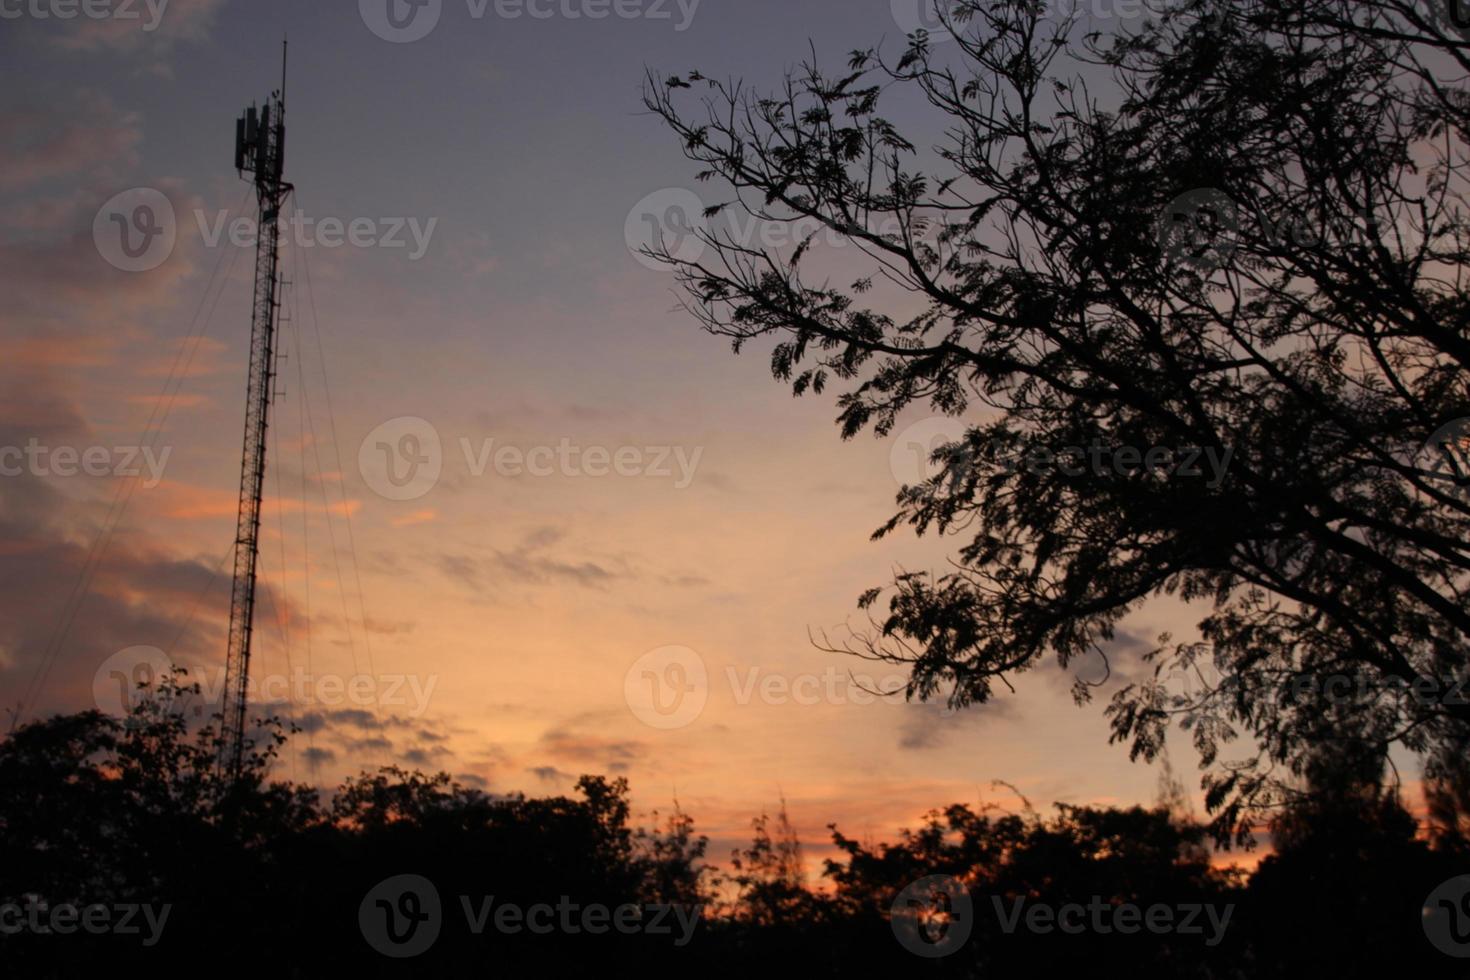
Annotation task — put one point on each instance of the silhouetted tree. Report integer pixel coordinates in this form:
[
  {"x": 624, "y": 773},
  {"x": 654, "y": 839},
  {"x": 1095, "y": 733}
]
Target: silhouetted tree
[
  {"x": 100, "y": 810},
  {"x": 769, "y": 876},
  {"x": 1348, "y": 871},
  {"x": 1082, "y": 856},
  {"x": 1447, "y": 797},
  {"x": 1239, "y": 228},
  {"x": 673, "y": 860}
]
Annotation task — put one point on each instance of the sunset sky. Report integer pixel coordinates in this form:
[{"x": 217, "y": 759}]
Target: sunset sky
[{"x": 509, "y": 606}]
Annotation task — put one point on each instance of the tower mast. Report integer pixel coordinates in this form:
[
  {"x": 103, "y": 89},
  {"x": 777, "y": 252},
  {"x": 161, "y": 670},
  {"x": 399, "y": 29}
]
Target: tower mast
[{"x": 260, "y": 151}]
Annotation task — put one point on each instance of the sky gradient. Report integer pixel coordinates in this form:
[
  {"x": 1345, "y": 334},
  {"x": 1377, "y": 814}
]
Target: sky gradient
[{"x": 609, "y": 481}]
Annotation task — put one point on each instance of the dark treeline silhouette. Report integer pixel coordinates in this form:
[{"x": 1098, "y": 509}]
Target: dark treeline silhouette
[{"x": 98, "y": 810}]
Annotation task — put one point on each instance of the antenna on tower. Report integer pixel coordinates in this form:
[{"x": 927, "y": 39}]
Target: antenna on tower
[{"x": 260, "y": 151}]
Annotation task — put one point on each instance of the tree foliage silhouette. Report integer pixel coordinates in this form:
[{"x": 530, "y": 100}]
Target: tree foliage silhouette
[{"x": 1235, "y": 227}]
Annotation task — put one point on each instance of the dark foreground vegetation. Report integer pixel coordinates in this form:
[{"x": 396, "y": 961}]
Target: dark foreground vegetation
[{"x": 278, "y": 877}]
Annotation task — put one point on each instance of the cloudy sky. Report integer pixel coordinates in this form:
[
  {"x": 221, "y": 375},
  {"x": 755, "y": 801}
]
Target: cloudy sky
[{"x": 557, "y": 528}]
